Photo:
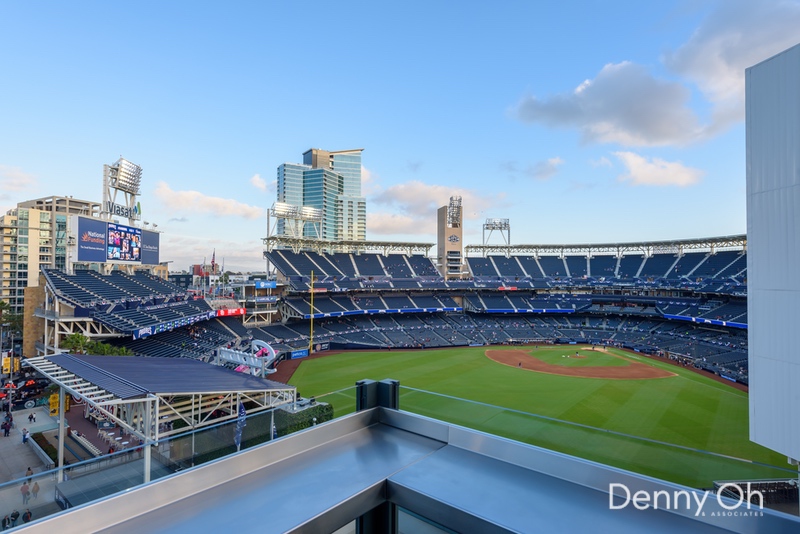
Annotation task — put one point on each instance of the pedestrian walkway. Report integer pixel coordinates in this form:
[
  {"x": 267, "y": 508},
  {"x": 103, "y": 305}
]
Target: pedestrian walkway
[
  {"x": 15, "y": 456},
  {"x": 15, "y": 459}
]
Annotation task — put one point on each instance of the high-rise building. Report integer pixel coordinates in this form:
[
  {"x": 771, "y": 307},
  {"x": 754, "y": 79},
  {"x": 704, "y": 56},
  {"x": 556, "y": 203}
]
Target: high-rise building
[
  {"x": 34, "y": 234},
  {"x": 330, "y": 182}
]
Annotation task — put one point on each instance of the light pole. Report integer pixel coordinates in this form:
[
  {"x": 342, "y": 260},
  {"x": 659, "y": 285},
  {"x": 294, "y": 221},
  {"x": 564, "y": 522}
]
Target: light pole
[
  {"x": 11, "y": 373},
  {"x": 10, "y": 365}
]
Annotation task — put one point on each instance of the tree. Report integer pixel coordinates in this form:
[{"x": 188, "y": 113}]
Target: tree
[
  {"x": 75, "y": 342},
  {"x": 12, "y": 323},
  {"x": 83, "y": 345}
]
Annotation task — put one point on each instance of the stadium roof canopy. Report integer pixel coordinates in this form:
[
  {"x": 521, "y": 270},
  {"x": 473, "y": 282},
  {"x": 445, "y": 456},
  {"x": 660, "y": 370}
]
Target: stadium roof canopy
[
  {"x": 126, "y": 389},
  {"x": 355, "y": 247},
  {"x": 675, "y": 246}
]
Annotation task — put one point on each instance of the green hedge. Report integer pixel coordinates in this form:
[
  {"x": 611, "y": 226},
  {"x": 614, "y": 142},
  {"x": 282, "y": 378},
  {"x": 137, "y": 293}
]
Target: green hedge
[
  {"x": 219, "y": 443},
  {"x": 289, "y": 422},
  {"x": 46, "y": 446}
]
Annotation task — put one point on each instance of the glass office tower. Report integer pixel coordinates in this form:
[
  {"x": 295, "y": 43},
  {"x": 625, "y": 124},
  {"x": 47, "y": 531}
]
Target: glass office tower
[{"x": 331, "y": 182}]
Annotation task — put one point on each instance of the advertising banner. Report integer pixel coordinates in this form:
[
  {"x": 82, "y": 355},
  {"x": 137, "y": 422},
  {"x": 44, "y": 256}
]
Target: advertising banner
[
  {"x": 227, "y": 312},
  {"x": 266, "y": 284},
  {"x": 92, "y": 240},
  {"x": 150, "y": 244},
  {"x": 143, "y": 332}
]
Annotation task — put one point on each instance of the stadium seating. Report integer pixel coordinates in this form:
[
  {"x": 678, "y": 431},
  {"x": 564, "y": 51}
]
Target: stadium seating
[
  {"x": 577, "y": 265},
  {"x": 603, "y": 266},
  {"x": 553, "y": 266},
  {"x": 657, "y": 266}
]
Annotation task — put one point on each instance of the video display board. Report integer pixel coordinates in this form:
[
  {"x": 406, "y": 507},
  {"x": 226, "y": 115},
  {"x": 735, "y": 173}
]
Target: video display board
[
  {"x": 101, "y": 241},
  {"x": 124, "y": 243}
]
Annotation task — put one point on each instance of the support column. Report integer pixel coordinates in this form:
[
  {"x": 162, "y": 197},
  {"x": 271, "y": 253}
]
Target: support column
[
  {"x": 61, "y": 431},
  {"x": 382, "y": 518},
  {"x": 148, "y": 442}
]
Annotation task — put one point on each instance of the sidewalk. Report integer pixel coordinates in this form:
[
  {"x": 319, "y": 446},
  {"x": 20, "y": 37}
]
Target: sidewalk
[{"x": 16, "y": 457}]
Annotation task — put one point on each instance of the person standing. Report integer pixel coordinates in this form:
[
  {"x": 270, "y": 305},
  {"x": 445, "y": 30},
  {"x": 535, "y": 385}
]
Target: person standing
[
  {"x": 6, "y": 522},
  {"x": 29, "y": 474},
  {"x": 25, "y": 491},
  {"x": 14, "y": 516},
  {"x": 27, "y": 516},
  {"x": 24, "y": 435},
  {"x": 35, "y": 490}
]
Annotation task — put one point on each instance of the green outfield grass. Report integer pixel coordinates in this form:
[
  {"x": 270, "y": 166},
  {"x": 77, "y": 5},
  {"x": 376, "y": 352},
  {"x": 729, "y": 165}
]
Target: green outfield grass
[{"x": 689, "y": 410}]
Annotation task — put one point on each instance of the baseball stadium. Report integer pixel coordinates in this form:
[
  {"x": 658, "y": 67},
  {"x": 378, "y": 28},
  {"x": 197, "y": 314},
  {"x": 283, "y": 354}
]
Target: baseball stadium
[
  {"x": 373, "y": 386},
  {"x": 631, "y": 355}
]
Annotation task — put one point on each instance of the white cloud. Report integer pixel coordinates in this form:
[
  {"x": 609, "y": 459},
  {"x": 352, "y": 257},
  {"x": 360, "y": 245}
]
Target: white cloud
[
  {"x": 656, "y": 172},
  {"x": 623, "y": 104},
  {"x": 382, "y": 223},
  {"x": 258, "y": 182},
  {"x": 736, "y": 35},
  {"x": 543, "y": 170},
  {"x": 369, "y": 182},
  {"x": 410, "y": 207},
  {"x": 15, "y": 179},
  {"x": 199, "y": 203},
  {"x": 626, "y": 104},
  {"x": 184, "y": 250}
]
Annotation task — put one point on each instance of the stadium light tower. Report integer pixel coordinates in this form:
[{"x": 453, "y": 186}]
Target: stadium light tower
[
  {"x": 497, "y": 225},
  {"x": 121, "y": 178}
]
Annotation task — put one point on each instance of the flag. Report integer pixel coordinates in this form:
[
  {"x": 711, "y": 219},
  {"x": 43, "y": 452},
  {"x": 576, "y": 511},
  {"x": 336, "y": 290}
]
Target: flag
[
  {"x": 241, "y": 422},
  {"x": 213, "y": 261}
]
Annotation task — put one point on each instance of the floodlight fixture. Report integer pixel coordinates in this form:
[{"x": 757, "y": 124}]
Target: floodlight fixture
[
  {"x": 307, "y": 213},
  {"x": 126, "y": 176},
  {"x": 283, "y": 210},
  {"x": 454, "y": 212},
  {"x": 496, "y": 224}
]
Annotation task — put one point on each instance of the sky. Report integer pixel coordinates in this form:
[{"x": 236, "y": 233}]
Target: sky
[{"x": 579, "y": 121}]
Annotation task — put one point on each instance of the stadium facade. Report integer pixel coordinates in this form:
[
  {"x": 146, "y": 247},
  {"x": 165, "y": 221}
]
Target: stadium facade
[
  {"x": 329, "y": 182},
  {"x": 773, "y": 204}
]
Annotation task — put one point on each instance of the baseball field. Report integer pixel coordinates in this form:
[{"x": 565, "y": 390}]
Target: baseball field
[{"x": 610, "y": 406}]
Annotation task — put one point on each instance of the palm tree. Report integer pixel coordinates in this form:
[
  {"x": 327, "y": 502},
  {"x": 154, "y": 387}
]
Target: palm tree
[{"x": 77, "y": 342}]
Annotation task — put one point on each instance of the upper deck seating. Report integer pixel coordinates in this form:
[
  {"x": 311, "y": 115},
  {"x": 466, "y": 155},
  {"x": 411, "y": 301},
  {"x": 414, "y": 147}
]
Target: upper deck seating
[{"x": 553, "y": 266}]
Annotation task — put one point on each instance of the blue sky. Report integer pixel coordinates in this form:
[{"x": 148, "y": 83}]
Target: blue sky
[{"x": 581, "y": 122}]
